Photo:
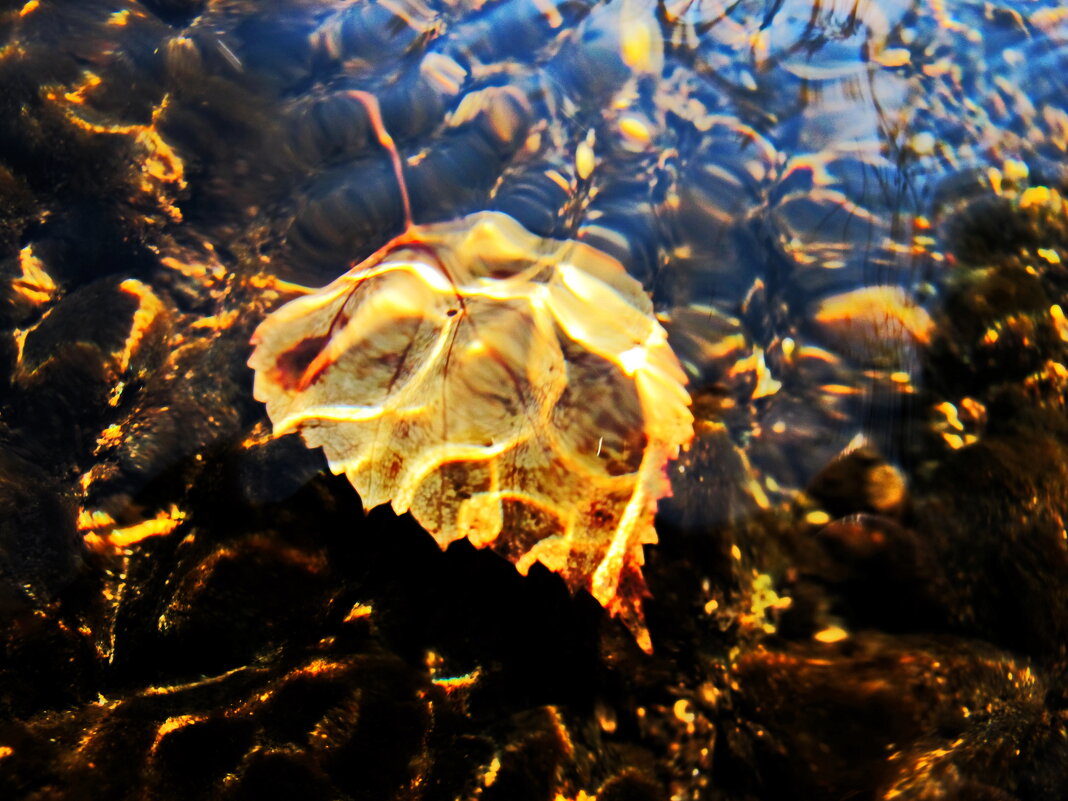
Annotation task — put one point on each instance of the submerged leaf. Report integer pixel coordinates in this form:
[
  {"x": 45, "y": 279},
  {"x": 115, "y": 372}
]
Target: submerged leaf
[{"x": 514, "y": 390}]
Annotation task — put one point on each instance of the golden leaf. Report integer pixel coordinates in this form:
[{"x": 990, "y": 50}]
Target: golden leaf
[{"x": 502, "y": 387}]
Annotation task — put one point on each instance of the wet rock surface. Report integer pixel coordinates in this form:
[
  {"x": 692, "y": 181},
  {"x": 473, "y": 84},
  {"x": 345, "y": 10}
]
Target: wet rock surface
[{"x": 861, "y": 584}]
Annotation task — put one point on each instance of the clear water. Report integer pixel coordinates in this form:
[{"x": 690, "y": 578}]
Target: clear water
[{"x": 848, "y": 218}]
